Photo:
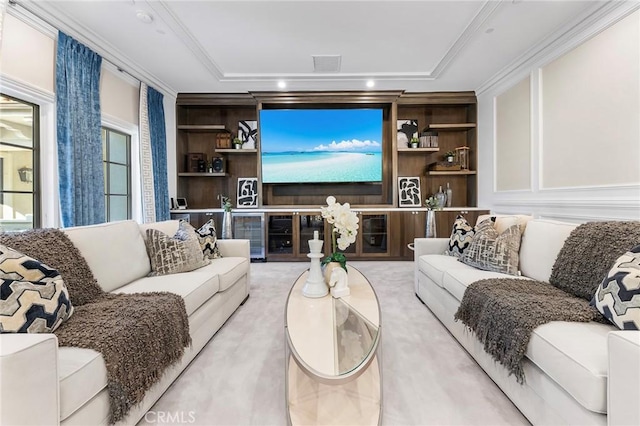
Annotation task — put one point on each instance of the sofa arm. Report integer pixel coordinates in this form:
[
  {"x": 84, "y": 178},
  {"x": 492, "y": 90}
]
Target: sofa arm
[
  {"x": 422, "y": 246},
  {"x": 234, "y": 248},
  {"x": 29, "y": 386},
  {"x": 624, "y": 378}
]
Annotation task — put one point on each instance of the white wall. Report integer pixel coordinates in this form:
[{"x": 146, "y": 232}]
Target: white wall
[
  {"x": 27, "y": 71},
  {"x": 585, "y": 125}
]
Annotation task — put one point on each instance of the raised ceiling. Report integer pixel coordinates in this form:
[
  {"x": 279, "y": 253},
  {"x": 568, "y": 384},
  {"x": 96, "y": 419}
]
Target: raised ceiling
[{"x": 237, "y": 46}]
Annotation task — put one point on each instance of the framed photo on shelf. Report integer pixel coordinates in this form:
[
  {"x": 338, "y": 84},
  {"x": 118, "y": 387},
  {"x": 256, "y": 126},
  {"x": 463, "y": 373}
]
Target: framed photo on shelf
[
  {"x": 247, "y": 192},
  {"x": 194, "y": 162},
  {"x": 409, "y": 192},
  {"x": 248, "y": 133},
  {"x": 407, "y": 130}
]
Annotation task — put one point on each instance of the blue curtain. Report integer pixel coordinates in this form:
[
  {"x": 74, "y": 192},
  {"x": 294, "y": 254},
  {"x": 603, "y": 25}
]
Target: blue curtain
[
  {"x": 80, "y": 166},
  {"x": 158, "y": 135}
]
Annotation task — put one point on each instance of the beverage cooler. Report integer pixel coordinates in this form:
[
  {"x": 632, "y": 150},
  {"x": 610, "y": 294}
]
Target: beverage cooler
[{"x": 250, "y": 226}]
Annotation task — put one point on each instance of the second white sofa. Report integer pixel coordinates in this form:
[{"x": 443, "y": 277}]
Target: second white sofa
[{"x": 569, "y": 375}]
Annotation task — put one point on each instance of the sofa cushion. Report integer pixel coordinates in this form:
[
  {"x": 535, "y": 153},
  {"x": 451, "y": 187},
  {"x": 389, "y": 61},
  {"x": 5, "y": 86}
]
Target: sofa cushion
[
  {"x": 435, "y": 265},
  {"x": 618, "y": 296},
  {"x": 230, "y": 269},
  {"x": 109, "y": 247},
  {"x": 541, "y": 243},
  {"x": 82, "y": 374},
  {"x": 33, "y": 296},
  {"x": 456, "y": 281},
  {"x": 491, "y": 251},
  {"x": 169, "y": 227},
  {"x": 504, "y": 221},
  {"x": 574, "y": 355},
  {"x": 461, "y": 236},
  {"x": 195, "y": 287},
  {"x": 171, "y": 255},
  {"x": 208, "y": 240}
]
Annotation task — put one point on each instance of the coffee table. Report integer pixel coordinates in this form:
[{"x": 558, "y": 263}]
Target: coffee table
[{"x": 332, "y": 356}]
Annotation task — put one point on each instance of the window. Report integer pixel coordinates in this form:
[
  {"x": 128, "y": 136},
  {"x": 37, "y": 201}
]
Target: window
[
  {"x": 116, "y": 149},
  {"x": 19, "y": 200}
]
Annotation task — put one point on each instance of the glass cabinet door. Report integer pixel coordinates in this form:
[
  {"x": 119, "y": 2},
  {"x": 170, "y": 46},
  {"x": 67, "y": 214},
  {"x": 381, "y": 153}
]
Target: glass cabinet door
[
  {"x": 308, "y": 223},
  {"x": 374, "y": 228},
  {"x": 280, "y": 234}
]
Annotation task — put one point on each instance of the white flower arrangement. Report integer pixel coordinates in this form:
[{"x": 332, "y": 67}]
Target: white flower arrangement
[{"x": 344, "y": 228}]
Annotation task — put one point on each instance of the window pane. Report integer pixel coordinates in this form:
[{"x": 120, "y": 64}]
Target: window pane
[
  {"x": 16, "y": 122},
  {"x": 118, "y": 208},
  {"x": 104, "y": 167},
  {"x": 16, "y": 212},
  {"x": 118, "y": 179},
  {"x": 17, "y": 168},
  {"x": 117, "y": 148}
]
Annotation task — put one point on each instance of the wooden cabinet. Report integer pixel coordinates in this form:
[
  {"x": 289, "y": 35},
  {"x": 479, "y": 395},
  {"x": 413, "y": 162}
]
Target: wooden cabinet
[
  {"x": 453, "y": 116},
  {"x": 412, "y": 225},
  {"x": 201, "y": 119},
  {"x": 372, "y": 241},
  {"x": 288, "y": 234}
]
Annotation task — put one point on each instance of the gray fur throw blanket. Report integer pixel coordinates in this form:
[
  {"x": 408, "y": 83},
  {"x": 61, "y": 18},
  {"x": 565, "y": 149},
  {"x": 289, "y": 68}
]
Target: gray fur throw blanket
[
  {"x": 502, "y": 312},
  {"x": 589, "y": 252},
  {"x": 139, "y": 335}
]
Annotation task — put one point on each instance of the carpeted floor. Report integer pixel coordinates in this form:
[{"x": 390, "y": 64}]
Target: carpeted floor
[{"x": 428, "y": 379}]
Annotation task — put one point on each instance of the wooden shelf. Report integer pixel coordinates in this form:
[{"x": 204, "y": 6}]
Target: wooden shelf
[
  {"x": 198, "y": 174},
  {"x": 452, "y": 127},
  {"x": 237, "y": 151},
  {"x": 456, "y": 172},
  {"x": 418, "y": 149},
  {"x": 203, "y": 127}
]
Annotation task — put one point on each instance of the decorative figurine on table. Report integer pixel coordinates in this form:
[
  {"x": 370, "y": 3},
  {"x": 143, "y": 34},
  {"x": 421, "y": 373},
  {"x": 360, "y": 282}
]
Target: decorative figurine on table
[
  {"x": 315, "y": 285},
  {"x": 339, "y": 283}
]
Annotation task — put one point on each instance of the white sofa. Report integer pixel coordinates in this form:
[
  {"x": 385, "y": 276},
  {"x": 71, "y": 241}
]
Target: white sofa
[
  {"x": 43, "y": 384},
  {"x": 575, "y": 372}
]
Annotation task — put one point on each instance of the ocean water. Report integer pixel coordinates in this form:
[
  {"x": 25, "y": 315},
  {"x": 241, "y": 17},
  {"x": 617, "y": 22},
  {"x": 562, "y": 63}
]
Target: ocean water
[{"x": 306, "y": 167}]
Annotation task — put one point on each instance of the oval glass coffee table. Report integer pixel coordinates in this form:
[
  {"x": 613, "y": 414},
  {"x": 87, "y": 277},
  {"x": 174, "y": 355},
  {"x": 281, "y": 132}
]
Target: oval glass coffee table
[{"x": 332, "y": 357}]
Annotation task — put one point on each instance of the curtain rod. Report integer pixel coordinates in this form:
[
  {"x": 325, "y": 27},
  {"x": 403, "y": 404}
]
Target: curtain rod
[{"x": 15, "y": 3}]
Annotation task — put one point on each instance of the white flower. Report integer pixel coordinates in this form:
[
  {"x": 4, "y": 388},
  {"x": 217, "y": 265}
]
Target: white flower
[{"x": 343, "y": 221}]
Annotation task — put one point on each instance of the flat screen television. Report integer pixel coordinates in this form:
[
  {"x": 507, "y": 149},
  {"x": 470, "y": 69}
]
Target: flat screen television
[{"x": 321, "y": 145}]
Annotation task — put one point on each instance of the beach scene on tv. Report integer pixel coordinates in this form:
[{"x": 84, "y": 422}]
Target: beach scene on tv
[{"x": 321, "y": 146}]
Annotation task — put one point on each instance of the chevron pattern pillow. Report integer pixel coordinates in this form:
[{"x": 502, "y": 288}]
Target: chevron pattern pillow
[
  {"x": 209, "y": 240},
  {"x": 618, "y": 296},
  {"x": 461, "y": 236},
  {"x": 33, "y": 296}
]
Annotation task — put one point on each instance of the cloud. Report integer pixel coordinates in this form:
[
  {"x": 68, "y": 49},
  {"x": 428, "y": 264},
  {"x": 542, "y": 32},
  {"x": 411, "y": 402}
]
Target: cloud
[{"x": 352, "y": 145}]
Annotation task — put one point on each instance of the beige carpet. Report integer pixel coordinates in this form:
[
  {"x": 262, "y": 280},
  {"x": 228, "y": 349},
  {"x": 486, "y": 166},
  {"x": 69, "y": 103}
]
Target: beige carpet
[{"x": 428, "y": 379}]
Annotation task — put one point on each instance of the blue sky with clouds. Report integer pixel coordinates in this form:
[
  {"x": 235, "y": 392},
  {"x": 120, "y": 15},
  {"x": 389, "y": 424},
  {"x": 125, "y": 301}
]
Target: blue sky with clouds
[{"x": 355, "y": 130}]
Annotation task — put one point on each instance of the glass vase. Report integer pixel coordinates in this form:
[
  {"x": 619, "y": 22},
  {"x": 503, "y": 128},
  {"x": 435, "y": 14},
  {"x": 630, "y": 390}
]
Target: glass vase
[
  {"x": 227, "y": 230},
  {"x": 431, "y": 224}
]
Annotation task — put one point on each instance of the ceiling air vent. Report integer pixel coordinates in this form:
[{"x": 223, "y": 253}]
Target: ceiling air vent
[{"x": 326, "y": 63}]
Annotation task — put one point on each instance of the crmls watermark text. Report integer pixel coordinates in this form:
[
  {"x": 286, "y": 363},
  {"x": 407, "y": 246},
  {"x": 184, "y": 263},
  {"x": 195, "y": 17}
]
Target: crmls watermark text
[{"x": 170, "y": 417}]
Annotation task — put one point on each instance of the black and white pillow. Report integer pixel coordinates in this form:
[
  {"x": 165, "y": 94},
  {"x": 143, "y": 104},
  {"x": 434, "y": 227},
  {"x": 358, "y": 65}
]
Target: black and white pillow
[
  {"x": 34, "y": 298},
  {"x": 461, "y": 236},
  {"x": 209, "y": 240},
  {"x": 618, "y": 296}
]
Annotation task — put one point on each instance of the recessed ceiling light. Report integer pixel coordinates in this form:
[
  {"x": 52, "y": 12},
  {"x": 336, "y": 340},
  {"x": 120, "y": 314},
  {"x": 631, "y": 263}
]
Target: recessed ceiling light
[
  {"x": 144, "y": 16},
  {"x": 371, "y": 83},
  {"x": 282, "y": 84},
  {"x": 489, "y": 30}
]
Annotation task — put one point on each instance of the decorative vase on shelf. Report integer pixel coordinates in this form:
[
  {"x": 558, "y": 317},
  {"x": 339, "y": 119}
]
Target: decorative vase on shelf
[
  {"x": 449, "y": 195},
  {"x": 441, "y": 197},
  {"x": 431, "y": 224},
  {"x": 227, "y": 232}
]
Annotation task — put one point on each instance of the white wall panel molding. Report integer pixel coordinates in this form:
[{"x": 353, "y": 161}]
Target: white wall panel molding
[
  {"x": 25, "y": 91},
  {"x": 584, "y": 26}
]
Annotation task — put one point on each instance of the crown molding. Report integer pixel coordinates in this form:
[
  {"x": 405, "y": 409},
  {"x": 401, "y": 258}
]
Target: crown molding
[
  {"x": 19, "y": 12},
  {"x": 584, "y": 26},
  {"x": 180, "y": 30},
  {"x": 121, "y": 74},
  {"x": 488, "y": 9},
  {"x": 50, "y": 13}
]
